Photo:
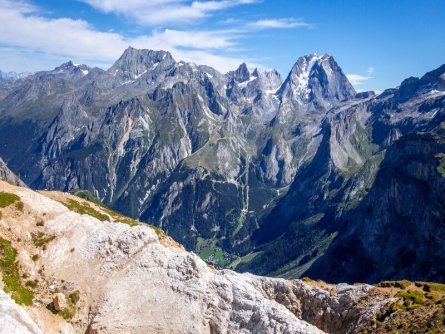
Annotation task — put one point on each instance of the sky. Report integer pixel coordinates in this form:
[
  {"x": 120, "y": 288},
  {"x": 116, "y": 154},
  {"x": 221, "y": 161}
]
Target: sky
[{"x": 377, "y": 43}]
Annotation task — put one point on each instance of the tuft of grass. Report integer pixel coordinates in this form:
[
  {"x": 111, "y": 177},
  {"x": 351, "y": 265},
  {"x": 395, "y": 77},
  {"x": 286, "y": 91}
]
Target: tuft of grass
[
  {"x": 6, "y": 199},
  {"x": 40, "y": 239},
  {"x": 10, "y": 272},
  {"x": 85, "y": 209}
]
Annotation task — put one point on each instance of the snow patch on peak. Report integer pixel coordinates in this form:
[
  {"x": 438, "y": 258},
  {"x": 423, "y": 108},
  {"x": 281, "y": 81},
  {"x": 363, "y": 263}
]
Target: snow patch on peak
[{"x": 245, "y": 83}]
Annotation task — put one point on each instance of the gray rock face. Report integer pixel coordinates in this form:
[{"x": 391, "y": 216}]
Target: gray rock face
[
  {"x": 8, "y": 176},
  {"x": 11, "y": 76},
  {"x": 325, "y": 206},
  {"x": 232, "y": 163}
]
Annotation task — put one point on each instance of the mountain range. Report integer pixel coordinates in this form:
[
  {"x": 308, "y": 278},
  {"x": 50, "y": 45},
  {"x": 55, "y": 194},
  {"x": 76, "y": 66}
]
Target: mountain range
[{"x": 289, "y": 178}]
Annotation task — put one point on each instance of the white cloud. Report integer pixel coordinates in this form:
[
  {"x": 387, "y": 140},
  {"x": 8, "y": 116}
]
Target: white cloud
[
  {"x": 155, "y": 12},
  {"x": 24, "y": 31},
  {"x": 359, "y": 79},
  {"x": 281, "y": 23}
]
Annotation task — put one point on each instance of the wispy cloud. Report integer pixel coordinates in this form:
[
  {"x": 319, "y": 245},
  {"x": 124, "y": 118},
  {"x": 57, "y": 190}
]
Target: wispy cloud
[
  {"x": 281, "y": 23},
  {"x": 23, "y": 29},
  {"x": 155, "y": 12},
  {"x": 359, "y": 79}
]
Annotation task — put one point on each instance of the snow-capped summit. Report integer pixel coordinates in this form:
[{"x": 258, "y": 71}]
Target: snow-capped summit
[{"x": 316, "y": 83}]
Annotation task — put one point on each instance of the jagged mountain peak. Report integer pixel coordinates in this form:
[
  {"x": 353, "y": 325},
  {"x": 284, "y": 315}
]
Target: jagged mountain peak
[
  {"x": 316, "y": 83},
  {"x": 138, "y": 61},
  {"x": 11, "y": 76},
  {"x": 241, "y": 74},
  {"x": 431, "y": 81}
]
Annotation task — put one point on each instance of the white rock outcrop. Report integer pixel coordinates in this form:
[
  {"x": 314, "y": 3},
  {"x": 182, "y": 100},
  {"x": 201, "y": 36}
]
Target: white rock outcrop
[
  {"x": 129, "y": 282},
  {"x": 14, "y": 319}
]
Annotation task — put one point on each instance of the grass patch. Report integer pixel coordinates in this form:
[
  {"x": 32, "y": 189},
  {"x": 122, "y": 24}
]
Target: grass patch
[
  {"x": 68, "y": 312},
  {"x": 85, "y": 194},
  {"x": 11, "y": 277},
  {"x": 6, "y": 199},
  {"x": 85, "y": 209},
  {"x": 412, "y": 299},
  {"x": 395, "y": 284},
  {"x": 40, "y": 239}
]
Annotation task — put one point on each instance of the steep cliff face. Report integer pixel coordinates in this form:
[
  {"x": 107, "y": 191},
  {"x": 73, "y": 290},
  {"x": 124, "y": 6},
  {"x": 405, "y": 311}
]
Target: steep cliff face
[
  {"x": 356, "y": 136},
  {"x": 7, "y": 175},
  {"x": 398, "y": 229}
]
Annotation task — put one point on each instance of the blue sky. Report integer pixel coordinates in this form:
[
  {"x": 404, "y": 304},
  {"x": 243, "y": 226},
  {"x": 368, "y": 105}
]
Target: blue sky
[{"x": 378, "y": 43}]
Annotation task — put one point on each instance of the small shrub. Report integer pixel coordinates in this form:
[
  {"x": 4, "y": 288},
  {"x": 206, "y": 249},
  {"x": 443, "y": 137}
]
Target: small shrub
[
  {"x": 32, "y": 283},
  {"x": 35, "y": 257},
  {"x": 40, "y": 223},
  {"x": 19, "y": 206},
  {"x": 75, "y": 296}
]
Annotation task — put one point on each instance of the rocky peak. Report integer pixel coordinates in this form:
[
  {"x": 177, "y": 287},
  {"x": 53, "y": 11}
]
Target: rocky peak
[
  {"x": 136, "y": 62},
  {"x": 270, "y": 80},
  {"x": 316, "y": 83},
  {"x": 434, "y": 80},
  {"x": 241, "y": 74},
  {"x": 11, "y": 76}
]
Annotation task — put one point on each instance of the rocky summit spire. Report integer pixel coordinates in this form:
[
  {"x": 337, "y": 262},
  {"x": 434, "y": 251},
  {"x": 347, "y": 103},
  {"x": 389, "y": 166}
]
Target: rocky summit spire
[
  {"x": 316, "y": 83},
  {"x": 135, "y": 62}
]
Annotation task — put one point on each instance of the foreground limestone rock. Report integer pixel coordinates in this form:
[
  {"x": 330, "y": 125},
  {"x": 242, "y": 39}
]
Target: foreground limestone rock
[
  {"x": 122, "y": 279},
  {"x": 14, "y": 319}
]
